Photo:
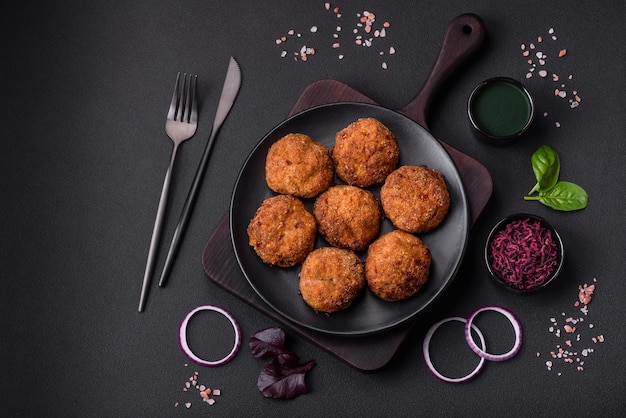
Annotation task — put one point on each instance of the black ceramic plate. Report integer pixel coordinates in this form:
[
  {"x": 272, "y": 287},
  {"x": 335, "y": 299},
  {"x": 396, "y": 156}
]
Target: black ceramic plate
[{"x": 278, "y": 286}]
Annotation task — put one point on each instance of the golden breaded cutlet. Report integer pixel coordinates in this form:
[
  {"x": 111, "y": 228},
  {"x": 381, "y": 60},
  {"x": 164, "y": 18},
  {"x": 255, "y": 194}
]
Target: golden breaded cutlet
[
  {"x": 397, "y": 265},
  {"x": 415, "y": 198},
  {"x": 282, "y": 231},
  {"x": 348, "y": 216},
  {"x": 331, "y": 279},
  {"x": 365, "y": 152},
  {"x": 299, "y": 166}
]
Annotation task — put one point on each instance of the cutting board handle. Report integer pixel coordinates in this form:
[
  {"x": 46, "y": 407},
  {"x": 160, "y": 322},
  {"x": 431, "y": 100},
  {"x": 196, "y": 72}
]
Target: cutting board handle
[{"x": 464, "y": 36}]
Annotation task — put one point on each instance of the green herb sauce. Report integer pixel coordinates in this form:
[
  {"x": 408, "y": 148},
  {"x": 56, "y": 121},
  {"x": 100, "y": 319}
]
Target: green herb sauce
[{"x": 501, "y": 109}]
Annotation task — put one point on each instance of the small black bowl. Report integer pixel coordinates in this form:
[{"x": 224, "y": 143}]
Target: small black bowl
[
  {"x": 500, "y": 110},
  {"x": 544, "y": 225}
]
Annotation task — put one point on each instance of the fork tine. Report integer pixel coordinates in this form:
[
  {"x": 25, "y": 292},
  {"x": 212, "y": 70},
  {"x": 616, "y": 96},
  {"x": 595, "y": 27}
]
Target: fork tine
[
  {"x": 182, "y": 97},
  {"x": 188, "y": 99},
  {"x": 171, "y": 114},
  {"x": 184, "y": 114},
  {"x": 193, "y": 117}
]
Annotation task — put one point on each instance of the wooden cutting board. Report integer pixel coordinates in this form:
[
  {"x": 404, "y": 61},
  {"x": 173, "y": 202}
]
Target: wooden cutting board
[
  {"x": 365, "y": 352},
  {"x": 370, "y": 352}
]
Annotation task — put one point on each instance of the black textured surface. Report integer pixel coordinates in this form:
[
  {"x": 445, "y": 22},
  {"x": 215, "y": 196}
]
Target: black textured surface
[{"x": 85, "y": 93}]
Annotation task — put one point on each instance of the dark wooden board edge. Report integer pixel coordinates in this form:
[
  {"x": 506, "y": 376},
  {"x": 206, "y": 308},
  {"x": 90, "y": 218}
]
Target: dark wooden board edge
[{"x": 365, "y": 353}]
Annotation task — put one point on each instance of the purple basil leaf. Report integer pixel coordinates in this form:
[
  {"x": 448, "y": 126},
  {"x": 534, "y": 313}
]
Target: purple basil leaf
[
  {"x": 268, "y": 342},
  {"x": 283, "y": 377}
]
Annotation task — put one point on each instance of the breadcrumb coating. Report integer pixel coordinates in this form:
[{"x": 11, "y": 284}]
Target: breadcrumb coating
[
  {"x": 282, "y": 231},
  {"x": 415, "y": 198},
  {"x": 348, "y": 216},
  {"x": 299, "y": 166},
  {"x": 397, "y": 265},
  {"x": 331, "y": 279},
  {"x": 365, "y": 152}
]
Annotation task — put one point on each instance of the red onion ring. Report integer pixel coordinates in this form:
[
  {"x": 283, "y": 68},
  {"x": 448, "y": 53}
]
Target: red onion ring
[
  {"x": 426, "y": 350},
  {"x": 517, "y": 327},
  {"x": 182, "y": 336}
]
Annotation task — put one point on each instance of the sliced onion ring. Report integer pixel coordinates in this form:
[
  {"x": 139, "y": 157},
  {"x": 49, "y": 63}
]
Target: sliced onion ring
[
  {"x": 481, "y": 352},
  {"x": 426, "y": 350},
  {"x": 182, "y": 335}
]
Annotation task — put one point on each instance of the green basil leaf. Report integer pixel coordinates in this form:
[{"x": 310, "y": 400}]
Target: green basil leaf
[
  {"x": 546, "y": 166},
  {"x": 564, "y": 196}
]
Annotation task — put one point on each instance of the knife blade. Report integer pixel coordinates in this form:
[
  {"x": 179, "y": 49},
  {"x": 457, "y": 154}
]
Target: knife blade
[{"x": 230, "y": 90}]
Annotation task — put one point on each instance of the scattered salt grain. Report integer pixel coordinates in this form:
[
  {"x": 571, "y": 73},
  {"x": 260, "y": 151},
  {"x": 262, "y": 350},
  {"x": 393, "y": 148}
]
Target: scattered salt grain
[
  {"x": 367, "y": 30},
  {"x": 542, "y": 59},
  {"x": 573, "y": 351},
  {"x": 205, "y": 393}
]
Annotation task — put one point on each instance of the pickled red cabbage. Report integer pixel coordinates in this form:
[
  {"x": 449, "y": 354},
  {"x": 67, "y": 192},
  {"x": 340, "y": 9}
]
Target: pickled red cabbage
[{"x": 524, "y": 254}]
